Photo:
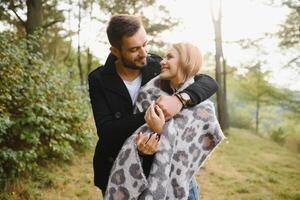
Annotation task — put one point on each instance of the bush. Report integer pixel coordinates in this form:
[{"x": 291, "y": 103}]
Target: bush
[
  {"x": 278, "y": 136},
  {"x": 42, "y": 114},
  {"x": 289, "y": 132}
]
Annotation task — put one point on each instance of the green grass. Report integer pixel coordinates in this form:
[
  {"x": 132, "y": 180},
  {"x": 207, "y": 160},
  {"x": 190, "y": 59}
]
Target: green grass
[
  {"x": 58, "y": 181},
  {"x": 246, "y": 166},
  {"x": 243, "y": 167}
]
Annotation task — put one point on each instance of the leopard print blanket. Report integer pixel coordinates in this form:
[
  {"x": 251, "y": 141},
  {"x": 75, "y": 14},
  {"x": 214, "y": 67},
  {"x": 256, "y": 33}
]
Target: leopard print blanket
[{"x": 185, "y": 143}]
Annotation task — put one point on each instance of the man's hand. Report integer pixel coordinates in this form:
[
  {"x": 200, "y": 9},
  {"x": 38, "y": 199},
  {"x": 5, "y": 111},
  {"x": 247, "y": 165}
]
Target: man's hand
[
  {"x": 170, "y": 105},
  {"x": 155, "y": 118},
  {"x": 147, "y": 145}
]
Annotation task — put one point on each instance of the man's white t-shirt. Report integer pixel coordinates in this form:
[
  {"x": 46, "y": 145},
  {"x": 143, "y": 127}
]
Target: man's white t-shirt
[{"x": 134, "y": 87}]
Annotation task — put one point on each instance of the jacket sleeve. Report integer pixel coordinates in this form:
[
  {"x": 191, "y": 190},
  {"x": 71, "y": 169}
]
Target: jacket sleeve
[
  {"x": 203, "y": 88},
  {"x": 112, "y": 131}
]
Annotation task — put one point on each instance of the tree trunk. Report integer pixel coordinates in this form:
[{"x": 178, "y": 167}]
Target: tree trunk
[
  {"x": 78, "y": 47},
  {"x": 258, "y": 97},
  {"x": 89, "y": 62},
  {"x": 226, "y": 118},
  {"x": 221, "y": 93},
  {"x": 34, "y": 15},
  {"x": 67, "y": 61},
  {"x": 257, "y": 115},
  {"x": 89, "y": 55}
]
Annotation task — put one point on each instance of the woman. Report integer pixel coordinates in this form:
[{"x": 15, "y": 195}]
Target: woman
[{"x": 181, "y": 144}]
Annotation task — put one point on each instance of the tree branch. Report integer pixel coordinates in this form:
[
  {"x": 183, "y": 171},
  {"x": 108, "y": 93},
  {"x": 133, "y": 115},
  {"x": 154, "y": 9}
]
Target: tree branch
[
  {"x": 12, "y": 8},
  {"x": 52, "y": 23},
  {"x": 291, "y": 61},
  {"x": 98, "y": 19},
  {"x": 291, "y": 6}
]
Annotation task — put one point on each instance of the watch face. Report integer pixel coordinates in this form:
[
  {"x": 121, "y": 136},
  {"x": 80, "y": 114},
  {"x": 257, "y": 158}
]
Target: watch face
[{"x": 185, "y": 96}]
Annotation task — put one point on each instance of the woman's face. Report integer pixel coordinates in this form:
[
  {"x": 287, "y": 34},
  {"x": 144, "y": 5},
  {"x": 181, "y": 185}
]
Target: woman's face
[{"x": 169, "y": 65}]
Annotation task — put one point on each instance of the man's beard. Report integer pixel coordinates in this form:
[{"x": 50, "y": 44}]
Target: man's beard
[{"x": 131, "y": 65}]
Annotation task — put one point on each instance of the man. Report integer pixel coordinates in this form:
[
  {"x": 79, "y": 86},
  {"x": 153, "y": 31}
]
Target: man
[{"x": 113, "y": 91}]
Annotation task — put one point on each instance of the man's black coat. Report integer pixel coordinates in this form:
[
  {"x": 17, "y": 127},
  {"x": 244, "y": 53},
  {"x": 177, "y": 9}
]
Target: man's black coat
[{"x": 113, "y": 110}]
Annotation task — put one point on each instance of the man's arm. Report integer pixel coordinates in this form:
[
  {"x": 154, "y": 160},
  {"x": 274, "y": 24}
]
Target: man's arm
[
  {"x": 113, "y": 131},
  {"x": 203, "y": 88}
]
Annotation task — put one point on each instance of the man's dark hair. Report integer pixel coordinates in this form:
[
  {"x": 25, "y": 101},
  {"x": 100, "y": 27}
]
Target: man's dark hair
[{"x": 122, "y": 25}]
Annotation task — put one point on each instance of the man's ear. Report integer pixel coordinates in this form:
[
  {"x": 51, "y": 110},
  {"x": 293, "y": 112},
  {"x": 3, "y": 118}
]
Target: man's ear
[{"x": 115, "y": 51}]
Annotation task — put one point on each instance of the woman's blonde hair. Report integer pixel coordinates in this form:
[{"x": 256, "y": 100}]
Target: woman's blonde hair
[{"x": 190, "y": 61}]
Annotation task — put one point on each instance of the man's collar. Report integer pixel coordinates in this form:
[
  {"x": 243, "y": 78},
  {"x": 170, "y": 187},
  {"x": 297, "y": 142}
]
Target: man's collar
[{"x": 109, "y": 66}]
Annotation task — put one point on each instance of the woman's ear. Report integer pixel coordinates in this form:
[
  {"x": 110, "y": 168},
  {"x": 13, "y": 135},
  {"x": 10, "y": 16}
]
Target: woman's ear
[{"x": 115, "y": 51}]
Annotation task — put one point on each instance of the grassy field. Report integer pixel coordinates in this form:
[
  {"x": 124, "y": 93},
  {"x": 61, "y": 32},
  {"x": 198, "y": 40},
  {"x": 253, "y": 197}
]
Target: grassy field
[
  {"x": 250, "y": 167},
  {"x": 245, "y": 166}
]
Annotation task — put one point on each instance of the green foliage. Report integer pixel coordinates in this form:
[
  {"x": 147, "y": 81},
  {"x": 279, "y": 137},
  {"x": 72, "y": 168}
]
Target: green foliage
[
  {"x": 239, "y": 111},
  {"x": 289, "y": 33},
  {"x": 278, "y": 111},
  {"x": 290, "y": 126},
  {"x": 256, "y": 90},
  {"x": 255, "y": 85},
  {"x": 42, "y": 114},
  {"x": 278, "y": 136},
  {"x": 12, "y": 13},
  {"x": 240, "y": 116}
]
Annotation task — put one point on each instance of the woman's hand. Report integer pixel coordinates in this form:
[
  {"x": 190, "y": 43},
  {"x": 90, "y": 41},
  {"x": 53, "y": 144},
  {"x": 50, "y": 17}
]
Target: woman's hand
[
  {"x": 170, "y": 105},
  {"x": 155, "y": 118},
  {"x": 147, "y": 145}
]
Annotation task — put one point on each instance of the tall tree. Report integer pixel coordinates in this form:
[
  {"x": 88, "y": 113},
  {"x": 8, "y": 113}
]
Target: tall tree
[
  {"x": 34, "y": 15},
  {"x": 78, "y": 45},
  {"x": 13, "y": 12},
  {"x": 216, "y": 14},
  {"x": 258, "y": 91},
  {"x": 289, "y": 33},
  {"x": 46, "y": 15},
  {"x": 88, "y": 53},
  {"x": 30, "y": 15}
]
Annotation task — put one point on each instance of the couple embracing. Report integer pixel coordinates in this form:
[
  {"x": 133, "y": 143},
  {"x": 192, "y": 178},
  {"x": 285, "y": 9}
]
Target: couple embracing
[{"x": 155, "y": 123}]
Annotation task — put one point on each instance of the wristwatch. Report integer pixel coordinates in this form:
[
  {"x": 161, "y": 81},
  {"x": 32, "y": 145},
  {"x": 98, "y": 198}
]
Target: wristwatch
[{"x": 184, "y": 98}]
